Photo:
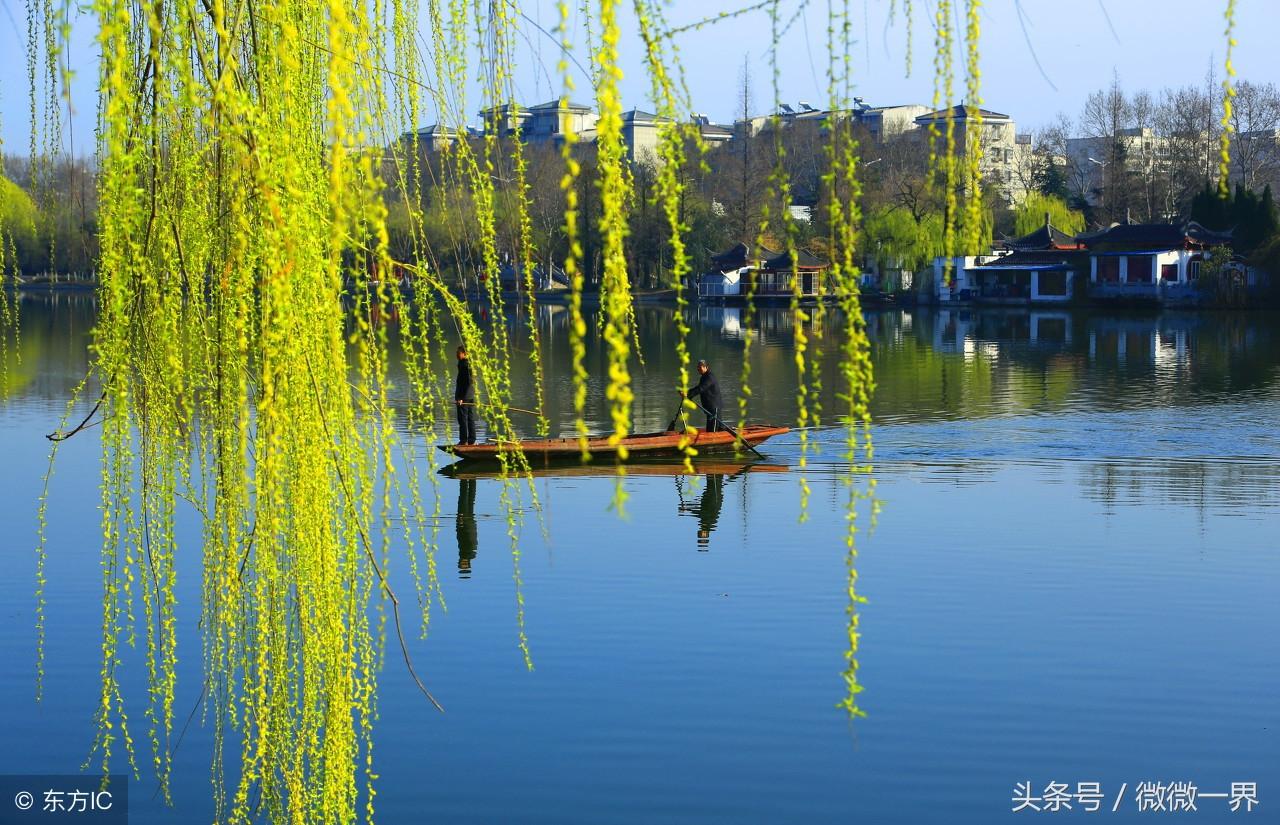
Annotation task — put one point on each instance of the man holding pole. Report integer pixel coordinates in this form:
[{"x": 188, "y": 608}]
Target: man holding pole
[
  {"x": 709, "y": 392},
  {"x": 464, "y": 393}
]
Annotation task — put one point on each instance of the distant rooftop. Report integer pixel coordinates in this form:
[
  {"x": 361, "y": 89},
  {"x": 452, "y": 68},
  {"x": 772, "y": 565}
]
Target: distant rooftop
[
  {"x": 961, "y": 112},
  {"x": 1045, "y": 237},
  {"x": 640, "y": 116},
  {"x": 553, "y": 105}
]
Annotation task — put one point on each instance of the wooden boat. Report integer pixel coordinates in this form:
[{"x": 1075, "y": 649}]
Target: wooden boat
[
  {"x": 572, "y": 468},
  {"x": 638, "y": 445}
]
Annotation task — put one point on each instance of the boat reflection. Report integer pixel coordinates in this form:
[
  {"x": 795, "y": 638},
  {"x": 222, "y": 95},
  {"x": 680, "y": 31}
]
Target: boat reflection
[
  {"x": 701, "y": 499},
  {"x": 464, "y": 470}
]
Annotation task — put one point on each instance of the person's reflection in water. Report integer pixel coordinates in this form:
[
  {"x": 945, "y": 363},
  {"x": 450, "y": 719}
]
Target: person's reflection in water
[
  {"x": 466, "y": 524},
  {"x": 708, "y": 509}
]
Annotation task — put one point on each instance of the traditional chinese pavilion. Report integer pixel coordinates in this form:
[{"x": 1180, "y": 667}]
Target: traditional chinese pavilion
[{"x": 1041, "y": 267}]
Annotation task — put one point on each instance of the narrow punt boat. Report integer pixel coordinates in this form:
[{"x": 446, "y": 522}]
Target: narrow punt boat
[
  {"x": 649, "y": 466},
  {"x": 641, "y": 444}
]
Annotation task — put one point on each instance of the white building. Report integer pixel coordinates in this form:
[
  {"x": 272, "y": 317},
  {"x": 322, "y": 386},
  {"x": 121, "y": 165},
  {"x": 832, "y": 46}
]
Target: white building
[
  {"x": 885, "y": 122},
  {"x": 1147, "y": 260},
  {"x": 1003, "y": 151},
  {"x": 1140, "y": 150}
]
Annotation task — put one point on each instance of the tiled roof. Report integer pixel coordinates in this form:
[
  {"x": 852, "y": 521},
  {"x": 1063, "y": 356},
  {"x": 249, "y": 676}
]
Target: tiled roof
[
  {"x": 1156, "y": 235},
  {"x": 804, "y": 260},
  {"x": 1036, "y": 259},
  {"x": 732, "y": 258},
  {"x": 1045, "y": 237}
]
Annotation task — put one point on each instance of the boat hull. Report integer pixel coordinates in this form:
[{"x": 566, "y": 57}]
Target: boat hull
[
  {"x": 648, "y": 466},
  {"x": 669, "y": 443}
]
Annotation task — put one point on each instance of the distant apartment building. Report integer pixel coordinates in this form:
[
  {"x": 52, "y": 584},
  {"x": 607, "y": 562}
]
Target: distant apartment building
[
  {"x": 549, "y": 122},
  {"x": 436, "y": 137},
  {"x": 554, "y": 121},
  {"x": 1004, "y": 151},
  {"x": 640, "y": 133},
  {"x": 1255, "y": 159},
  {"x": 881, "y": 121},
  {"x": 712, "y": 134},
  {"x": 1140, "y": 150},
  {"x": 884, "y": 122}
]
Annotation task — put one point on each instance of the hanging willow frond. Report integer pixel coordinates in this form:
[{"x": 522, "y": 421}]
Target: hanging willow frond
[{"x": 252, "y": 172}]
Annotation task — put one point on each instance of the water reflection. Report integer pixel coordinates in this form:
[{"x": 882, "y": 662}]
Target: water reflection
[
  {"x": 707, "y": 508},
  {"x": 1001, "y": 436},
  {"x": 465, "y": 523},
  {"x": 1125, "y": 389},
  {"x": 1222, "y": 485},
  {"x": 699, "y": 494},
  {"x": 929, "y": 363}
]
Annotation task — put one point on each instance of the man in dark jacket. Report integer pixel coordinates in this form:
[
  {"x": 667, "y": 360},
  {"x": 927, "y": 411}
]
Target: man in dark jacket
[
  {"x": 464, "y": 394},
  {"x": 708, "y": 391}
]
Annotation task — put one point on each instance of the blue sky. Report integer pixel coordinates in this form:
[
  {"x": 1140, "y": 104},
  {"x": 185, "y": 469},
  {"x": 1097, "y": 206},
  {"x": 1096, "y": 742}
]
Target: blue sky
[{"x": 1039, "y": 57}]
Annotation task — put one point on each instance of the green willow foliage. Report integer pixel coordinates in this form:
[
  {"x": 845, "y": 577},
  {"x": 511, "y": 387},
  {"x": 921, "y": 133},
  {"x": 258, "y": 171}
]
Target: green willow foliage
[
  {"x": 243, "y": 358},
  {"x": 1030, "y": 215},
  {"x": 16, "y": 215},
  {"x": 1228, "y": 94}
]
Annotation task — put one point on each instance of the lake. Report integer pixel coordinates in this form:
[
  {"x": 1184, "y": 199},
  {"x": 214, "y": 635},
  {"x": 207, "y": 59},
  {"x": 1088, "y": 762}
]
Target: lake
[{"x": 1072, "y": 579}]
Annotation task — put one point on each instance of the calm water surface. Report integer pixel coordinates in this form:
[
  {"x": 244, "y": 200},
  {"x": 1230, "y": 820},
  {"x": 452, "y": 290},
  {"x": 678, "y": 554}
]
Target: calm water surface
[{"x": 1074, "y": 578}]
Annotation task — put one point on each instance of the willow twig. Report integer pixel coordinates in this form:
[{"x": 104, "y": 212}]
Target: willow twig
[{"x": 83, "y": 425}]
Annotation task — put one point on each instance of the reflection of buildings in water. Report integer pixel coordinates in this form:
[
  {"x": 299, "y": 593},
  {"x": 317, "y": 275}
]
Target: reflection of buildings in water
[
  {"x": 707, "y": 508},
  {"x": 1017, "y": 360},
  {"x": 1162, "y": 342},
  {"x": 1208, "y": 485},
  {"x": 971, "y": 333},
  {"x": 772, "y": 326},
  {"x": 548, "y": 316},
  {"x": 726, "y": 320},
  {"x": 465, "y": 522},
  {"x": 1051, "y": 328},
  {"x": 552, "y": 316},
  {"x": 59, "y": 299},
  {"x": 776, "y": 326}
]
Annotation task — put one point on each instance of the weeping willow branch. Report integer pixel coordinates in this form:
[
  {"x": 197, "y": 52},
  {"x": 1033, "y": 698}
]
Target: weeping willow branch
[
  {"x": 246, "y": 237},
  {"x": 368, "y": 549},
  {"x": 84, "y": 424}
]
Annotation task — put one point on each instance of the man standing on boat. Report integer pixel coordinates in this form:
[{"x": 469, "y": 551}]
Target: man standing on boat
[
  {"x": 709, "y": 392},
  {"x": 464, "y": 393}
]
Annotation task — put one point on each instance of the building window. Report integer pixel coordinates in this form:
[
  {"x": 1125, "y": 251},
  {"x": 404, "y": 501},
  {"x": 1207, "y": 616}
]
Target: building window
[
  {"x": 1168, "y": 272},
  {"x": 1139, "y": 269},
  {"x": 1052, "y": 284},
  {"x": 1195, "y": 270},
  {"x": 1108, "y": 270}
]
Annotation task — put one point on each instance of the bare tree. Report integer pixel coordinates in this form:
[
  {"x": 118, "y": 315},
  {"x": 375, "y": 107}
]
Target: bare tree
[
  {"x": 1104, "y": 118},
  {"x": 1052, "y": 147},
  {"x": 899, "y": 177},
  {"x": 1255, "y": 150},
  {"x": 742, "y": 167},
  {"x": 1183, "y": 123}
]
